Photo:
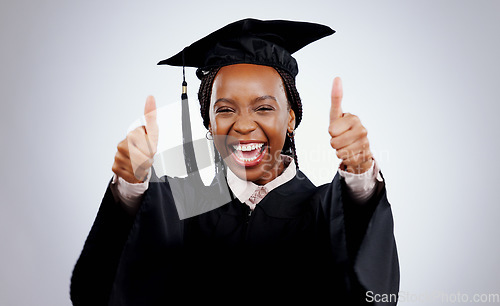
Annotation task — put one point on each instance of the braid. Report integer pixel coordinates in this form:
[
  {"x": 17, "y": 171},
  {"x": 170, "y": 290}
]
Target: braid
[
  {"x": 296, "y": 105},
  {"x": 204, "y": 94}
]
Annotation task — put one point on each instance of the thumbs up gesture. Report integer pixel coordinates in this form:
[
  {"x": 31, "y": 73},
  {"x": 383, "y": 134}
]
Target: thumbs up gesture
[
  {"x": 349, "y": 136},
  {"x": 135, "y": 153}
]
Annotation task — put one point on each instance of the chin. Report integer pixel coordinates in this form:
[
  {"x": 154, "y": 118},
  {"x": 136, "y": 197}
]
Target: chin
[{"x": 259, "y": 173}]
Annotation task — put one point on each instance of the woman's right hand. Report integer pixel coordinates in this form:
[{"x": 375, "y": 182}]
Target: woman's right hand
[{"x": 135, "y": 153}]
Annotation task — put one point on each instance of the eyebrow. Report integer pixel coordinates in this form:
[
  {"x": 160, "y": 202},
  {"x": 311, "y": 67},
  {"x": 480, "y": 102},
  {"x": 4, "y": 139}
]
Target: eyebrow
[
  {"x": 265, "y": 98},
  {"x": 261, "y": 98}
]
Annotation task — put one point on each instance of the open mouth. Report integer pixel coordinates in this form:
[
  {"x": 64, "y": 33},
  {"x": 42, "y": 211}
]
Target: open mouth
[{"x": 248, "y": 154}]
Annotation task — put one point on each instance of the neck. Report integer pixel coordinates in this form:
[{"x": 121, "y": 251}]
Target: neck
[{"x": 273, "y": 173}]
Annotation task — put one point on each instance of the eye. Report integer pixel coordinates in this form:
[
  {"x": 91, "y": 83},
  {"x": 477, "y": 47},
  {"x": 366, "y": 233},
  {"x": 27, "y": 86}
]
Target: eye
[
  {"x": 224, "y": 109},
  {"x": 265, "y": 108}
]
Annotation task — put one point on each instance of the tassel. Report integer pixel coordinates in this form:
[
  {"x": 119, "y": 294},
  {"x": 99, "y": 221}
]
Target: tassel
[{"x": 187, "y": 137}]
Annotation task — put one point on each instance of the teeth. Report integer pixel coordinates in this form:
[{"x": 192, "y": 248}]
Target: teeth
[
  {"x": 248, "y": 147},
  {"x": 249, "y": 159}
]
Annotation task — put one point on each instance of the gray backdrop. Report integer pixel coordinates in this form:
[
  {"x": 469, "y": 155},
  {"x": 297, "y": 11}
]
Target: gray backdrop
[{"x": 423, "y": 76}]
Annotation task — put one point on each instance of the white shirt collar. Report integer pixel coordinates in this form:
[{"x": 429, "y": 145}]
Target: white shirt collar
[{"x": 251, "y": 193}]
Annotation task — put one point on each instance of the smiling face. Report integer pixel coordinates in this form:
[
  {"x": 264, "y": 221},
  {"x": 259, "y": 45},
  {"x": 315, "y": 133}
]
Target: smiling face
[{"x": 249, "y": 117}]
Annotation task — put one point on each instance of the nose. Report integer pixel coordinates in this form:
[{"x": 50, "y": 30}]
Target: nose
[{"x": 244, "y": 125}]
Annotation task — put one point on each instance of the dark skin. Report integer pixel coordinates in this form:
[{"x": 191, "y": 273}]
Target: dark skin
[{"x": 248, "y": 106}]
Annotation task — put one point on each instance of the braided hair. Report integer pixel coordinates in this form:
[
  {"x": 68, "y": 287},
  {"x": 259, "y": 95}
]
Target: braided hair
[{"x": 205, "y": 92}]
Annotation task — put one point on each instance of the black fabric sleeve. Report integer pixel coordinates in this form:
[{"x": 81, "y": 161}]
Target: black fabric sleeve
[
  {"x": 371, "y": 247},
  {"x": 362, "y": 238},
  {"x": 95, "y": 270},
  {"x": 358, "y": 215}
]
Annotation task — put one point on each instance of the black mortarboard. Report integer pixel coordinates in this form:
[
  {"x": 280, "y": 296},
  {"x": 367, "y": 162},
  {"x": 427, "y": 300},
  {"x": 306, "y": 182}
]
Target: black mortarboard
[{"x": 251, "y": 41}]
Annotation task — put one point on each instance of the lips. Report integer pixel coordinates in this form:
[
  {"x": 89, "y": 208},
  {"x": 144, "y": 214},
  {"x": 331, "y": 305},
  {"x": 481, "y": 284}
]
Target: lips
[{"x": 248, "y": 154}]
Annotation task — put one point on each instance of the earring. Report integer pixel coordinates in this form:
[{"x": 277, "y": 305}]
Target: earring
[
  {"x": 292, "y": 149},
  {"x": 209, "y": 135}
]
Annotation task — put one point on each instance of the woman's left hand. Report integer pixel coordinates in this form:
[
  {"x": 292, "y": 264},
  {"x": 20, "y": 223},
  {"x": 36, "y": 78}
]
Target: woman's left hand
[{"x": 349, "y": 136}]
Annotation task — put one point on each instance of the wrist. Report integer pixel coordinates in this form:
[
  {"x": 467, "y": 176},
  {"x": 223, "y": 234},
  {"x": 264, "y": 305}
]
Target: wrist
[{"x": 360, "y": 168}]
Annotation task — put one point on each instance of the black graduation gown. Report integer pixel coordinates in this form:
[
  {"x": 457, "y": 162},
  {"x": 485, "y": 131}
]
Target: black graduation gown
[{"x": 301, "y": 241}]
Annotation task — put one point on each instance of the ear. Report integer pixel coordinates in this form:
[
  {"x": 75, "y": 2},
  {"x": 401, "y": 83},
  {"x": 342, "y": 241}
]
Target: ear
[
  {"x": 291, "y": 121},
  {"x": 210, "y": 127}
]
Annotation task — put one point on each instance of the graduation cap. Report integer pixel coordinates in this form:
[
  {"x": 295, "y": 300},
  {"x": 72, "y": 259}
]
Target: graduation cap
[
  {"x": 248, "y": 41},
  {"x": 251, "y": 41}
]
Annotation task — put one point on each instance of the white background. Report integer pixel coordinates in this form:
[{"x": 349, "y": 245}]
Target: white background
[{"x": 423, "y": 76}]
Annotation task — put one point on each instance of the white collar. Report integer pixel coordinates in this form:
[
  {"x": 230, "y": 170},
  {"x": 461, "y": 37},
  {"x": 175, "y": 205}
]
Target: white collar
[{"x": 250, "y": 193}]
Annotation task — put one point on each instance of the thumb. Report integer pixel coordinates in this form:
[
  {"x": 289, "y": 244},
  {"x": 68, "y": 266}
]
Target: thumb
[
  {"x": 337, "y": 93},
  {"x": 151, "y": 123}
]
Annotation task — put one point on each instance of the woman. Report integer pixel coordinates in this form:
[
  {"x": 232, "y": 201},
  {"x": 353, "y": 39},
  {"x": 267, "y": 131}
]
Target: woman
[{"x": 277, "y": 235}]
